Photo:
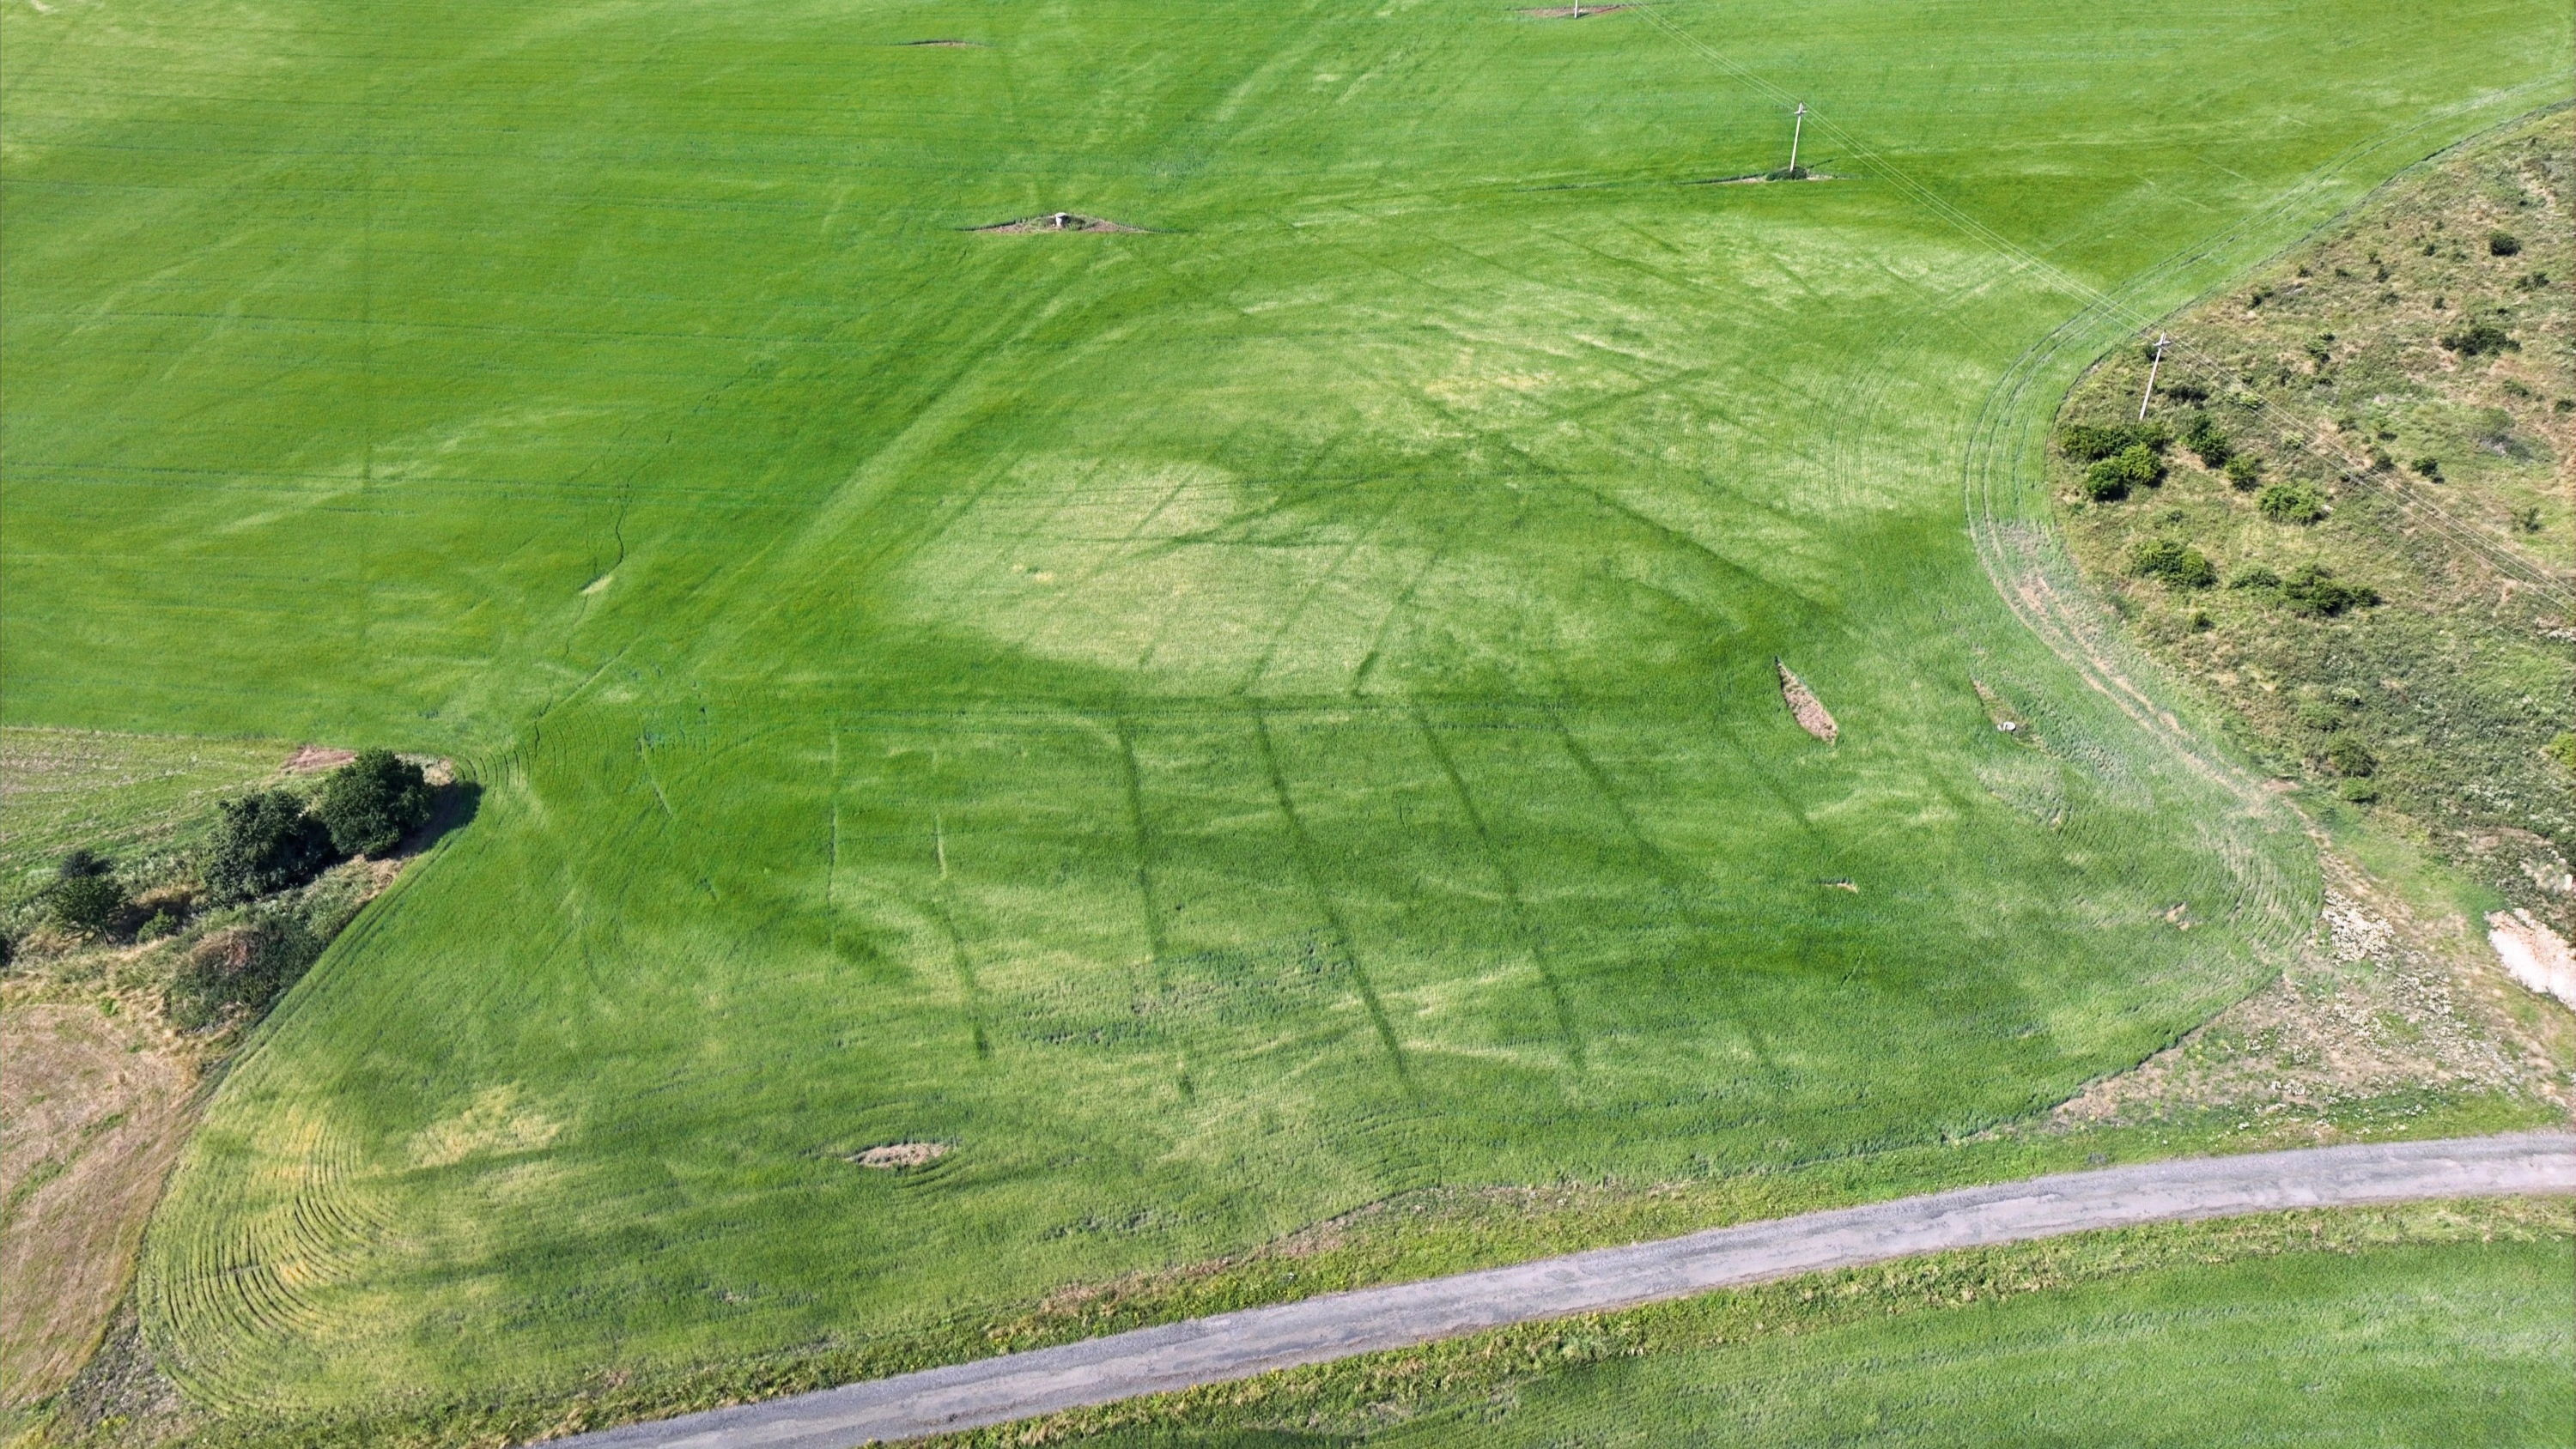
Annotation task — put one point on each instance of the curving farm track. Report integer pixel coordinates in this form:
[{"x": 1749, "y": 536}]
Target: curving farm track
[{"x": 1318, "y": 1330}]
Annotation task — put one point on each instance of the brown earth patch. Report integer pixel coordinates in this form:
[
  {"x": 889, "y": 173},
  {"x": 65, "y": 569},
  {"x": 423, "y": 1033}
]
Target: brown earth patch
[
  {"x": 314, "y": 759},
  {"x": 1054, "y": 221},
  {"x": 93, "y": 1111},
  {"x": 897, "y": 1155},
  {"x": 1808, "y": 710}
]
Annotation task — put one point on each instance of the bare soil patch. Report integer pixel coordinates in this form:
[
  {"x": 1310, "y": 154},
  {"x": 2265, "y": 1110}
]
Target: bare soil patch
[
  {"x": 897, "y": 1155},
  {"x": 1054, "y": 221},
  {"x": 93, "y": 1111},
  {"x": 1808, "y": 710},
  {"x": 314, "y": 759}
]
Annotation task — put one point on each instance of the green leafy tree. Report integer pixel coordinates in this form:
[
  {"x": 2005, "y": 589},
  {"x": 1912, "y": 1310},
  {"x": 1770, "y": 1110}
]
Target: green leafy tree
[
  {"x": 263, "y": 842},
  {"x": 85, "y": 894},
  {"x": 372, "y": 802}
]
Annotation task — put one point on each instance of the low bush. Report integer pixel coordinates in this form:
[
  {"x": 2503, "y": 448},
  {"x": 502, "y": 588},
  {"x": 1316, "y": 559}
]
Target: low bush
[
  {"x": 2113, "y": 478},
  {"x": 2322, "y": 715},
  {"x": 2476, "y": 339},
  {"x": 2351, "y": 759},
  {"x": 2429, "y": 469},
  {"x": 2503, "y": 244},
  {"x": 2291, "y": 503},
  {"x": 2562, "y": 748},
  {"x": 2254, "y": 576},
  {"x": 2088, "y": 442},
  {"x": 2175, "y": 563},
  {"x": 262, "y": 843},
  {"x": 372, "y": 802},
  {"x": 2314, "y": 590},
  {"x": 240, "y": 968},
  {"x": 2244, "y": 470},
  {"x": 2207, "y": 442}
]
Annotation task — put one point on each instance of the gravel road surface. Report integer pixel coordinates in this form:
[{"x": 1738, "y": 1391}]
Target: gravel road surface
[{"x": 1317, "y": 1330}]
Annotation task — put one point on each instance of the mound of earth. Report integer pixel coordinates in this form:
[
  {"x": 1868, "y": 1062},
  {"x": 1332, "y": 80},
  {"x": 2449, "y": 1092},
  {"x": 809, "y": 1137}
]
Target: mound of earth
[
  {"x": 1803, "y": 704},
  {"x": 1058, "y": 221}
]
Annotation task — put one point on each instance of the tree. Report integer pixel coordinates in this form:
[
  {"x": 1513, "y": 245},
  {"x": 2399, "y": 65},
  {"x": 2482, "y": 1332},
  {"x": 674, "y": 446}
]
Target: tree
[
  {"x": 85, "y": 894},
  {"x": 263, "y": 842},
  {"x": 372, "y": 802}
]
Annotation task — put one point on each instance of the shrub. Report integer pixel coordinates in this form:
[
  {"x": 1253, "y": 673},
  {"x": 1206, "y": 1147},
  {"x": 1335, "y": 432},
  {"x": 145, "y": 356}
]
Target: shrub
[
  {"x": 2359, "y": 792},
  {"x": 2313, "y": 589},
  {"x": 2207, "y": 442},
  {"x": 2177, "y": 564},
  {"x": 2291, "y": 503},
  {"x": 372, "y": 802},
  {"x": 2244, "y": 470},
  {"x": 2429, "y": 468},
  {"x": 84, "y": 896},
  {"x": 2351, "y": 759},
  {"x": 263, "y": 842},
  {"x": 2562, "y": 748},
  {"x": 2254, "y": 576},
  {"x": 2321, "y": 715},
  {"x": 2475, "y": 339},
  {"x": 244, "y": 967},
  {"x": 2135, "y": 466},
  {"x": 2503, "y": 244},
  {"x": 2091, "y": 442},
  {"x": 2086, "y": 443}
]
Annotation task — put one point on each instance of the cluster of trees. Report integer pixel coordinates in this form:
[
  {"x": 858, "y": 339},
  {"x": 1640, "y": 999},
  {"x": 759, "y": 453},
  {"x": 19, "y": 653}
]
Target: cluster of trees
[{"x": 262, "y": 843}]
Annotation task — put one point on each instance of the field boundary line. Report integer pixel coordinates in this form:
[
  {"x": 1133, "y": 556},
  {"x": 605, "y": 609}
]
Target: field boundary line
[{"x": 1239, "y": 1345}]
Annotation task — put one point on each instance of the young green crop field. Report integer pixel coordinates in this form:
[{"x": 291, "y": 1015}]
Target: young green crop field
[{"x": 1213, "y": 724}]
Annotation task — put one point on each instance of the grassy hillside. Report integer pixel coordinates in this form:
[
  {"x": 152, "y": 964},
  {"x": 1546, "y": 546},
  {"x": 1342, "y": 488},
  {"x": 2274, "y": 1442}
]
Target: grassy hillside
[
  {"x": 1213, "y": 724},
  {"x": 2407, "y": 380}
]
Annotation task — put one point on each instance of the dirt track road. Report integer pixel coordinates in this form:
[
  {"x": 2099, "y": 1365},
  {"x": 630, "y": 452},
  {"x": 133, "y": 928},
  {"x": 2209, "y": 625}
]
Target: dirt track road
[{"x": 1239, "y": 1345}]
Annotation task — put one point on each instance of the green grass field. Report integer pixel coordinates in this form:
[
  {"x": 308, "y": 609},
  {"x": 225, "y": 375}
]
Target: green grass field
[
  {"x": 1217, "y": 724},
  {"x": 2418, "y": 1344}
]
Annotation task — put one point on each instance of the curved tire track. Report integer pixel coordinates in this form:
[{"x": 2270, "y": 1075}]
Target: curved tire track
[{"x": 1318, "y": 1330}]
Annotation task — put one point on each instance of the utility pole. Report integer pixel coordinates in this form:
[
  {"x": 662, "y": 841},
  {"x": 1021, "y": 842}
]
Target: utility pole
[
  {"x": 2156, "y": 362},
  {"x": 1797, "y": 129}
]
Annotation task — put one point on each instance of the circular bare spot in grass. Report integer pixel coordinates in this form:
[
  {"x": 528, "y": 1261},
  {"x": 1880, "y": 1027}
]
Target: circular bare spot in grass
[
  {"x": 1055, "y": 221},
  {"x": 896, "y": 1156}
]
